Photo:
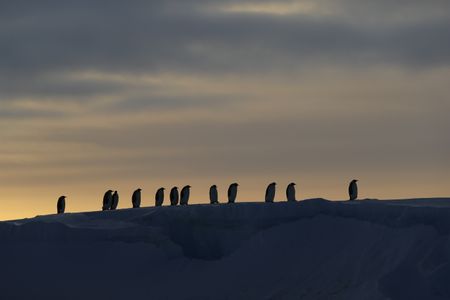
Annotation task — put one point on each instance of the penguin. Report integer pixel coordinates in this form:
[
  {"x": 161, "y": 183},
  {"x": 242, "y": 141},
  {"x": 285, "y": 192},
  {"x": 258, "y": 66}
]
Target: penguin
[
  {"x": 213, "y": 196},
  {"x": 232, "y": 192},
  {"x": 174, "y": 196},
  {"x": 61, "y": 205},
  {"x": 270, "y": 192},
  {"x": 107, "y": 200},
  {"x": 353, "y": 190},
  {"x": 115, "y": 200},
  {"x": 290, "y": 192},
  {"x": 159, "y": 197},
  {"x": 136, "y": 198},
  {"x": 184, "y": 195}
]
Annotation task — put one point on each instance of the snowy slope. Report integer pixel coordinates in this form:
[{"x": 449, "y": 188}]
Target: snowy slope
[{"x": 313, "y": 249}]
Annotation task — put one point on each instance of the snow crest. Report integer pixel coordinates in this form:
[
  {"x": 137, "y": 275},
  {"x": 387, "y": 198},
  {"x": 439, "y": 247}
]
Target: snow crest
[{"x": 313, "y": 249}]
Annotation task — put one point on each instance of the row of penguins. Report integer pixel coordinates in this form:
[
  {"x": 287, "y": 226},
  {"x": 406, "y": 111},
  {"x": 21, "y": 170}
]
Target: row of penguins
[{"x": 111, "y": 199}]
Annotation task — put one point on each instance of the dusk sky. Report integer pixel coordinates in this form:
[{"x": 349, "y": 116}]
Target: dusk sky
[{"x": 98, "y": 95}]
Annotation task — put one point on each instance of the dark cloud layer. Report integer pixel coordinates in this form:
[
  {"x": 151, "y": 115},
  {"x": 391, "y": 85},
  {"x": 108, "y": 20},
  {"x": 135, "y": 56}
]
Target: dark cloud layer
[{"x": 148, "y": 36}]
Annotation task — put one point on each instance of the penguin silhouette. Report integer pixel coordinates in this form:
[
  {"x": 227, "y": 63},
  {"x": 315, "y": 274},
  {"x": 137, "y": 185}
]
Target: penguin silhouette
[
  {"x": 184, "y": 195},
  {"x": 107, "y": 200},
  {"x": 232, "y": 192},
  {"x": 61, "y": 205},
  {"x": 290, "y": 192},
  {"x": 174, "y": 196},
  {"x": 159, "y": 197},
  {"x": 353, "y": 190},
  {"x": 136, "y": 198},
  {"x": 270, "y": 192},
  {"x": 115, "y": 200},
  {"x": 213, "y": 195}
]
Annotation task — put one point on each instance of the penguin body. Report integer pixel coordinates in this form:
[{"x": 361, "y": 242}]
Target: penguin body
[
  {"x": 184, "y": 195},
  {"x": 115, "y": 200},
  {"x": 232, "y": 192},
  {"x": 270, "y": 192},
  {"x": 159, "y": 197},
  {"x": 61, "y": 205},
  {"x": 213, "y": 195},
  {"x": 136, "y": 198},
  {"x": 290, "y": 192},
  {"x": 107, "y": 200},
  {"x": 353, "y": 190},
  {"x": 174, "y": 197}
]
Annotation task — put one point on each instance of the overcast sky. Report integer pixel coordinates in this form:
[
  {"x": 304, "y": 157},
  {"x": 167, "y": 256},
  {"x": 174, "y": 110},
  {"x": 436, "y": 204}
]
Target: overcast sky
[{"x": 98, "y": 95}]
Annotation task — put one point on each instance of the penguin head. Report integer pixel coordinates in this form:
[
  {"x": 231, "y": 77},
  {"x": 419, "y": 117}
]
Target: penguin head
[
  {"x": 62, "y": 197},
  {"x": 175, "y": 188},
  {"x": 213, "y": 186},
  {"x": 273, "y": 183},
  {"x": 235, "y": 184},
  {"x": 187, "y": 186},
  {"x": 355, "y": 180},
  {"x": 138, "y": 190}
]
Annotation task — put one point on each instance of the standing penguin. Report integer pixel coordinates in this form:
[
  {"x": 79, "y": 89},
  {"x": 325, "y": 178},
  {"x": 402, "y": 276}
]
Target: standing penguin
[
  {"x": 290, "y": 192},
  {"x": 270, "y": 192},
  {"x": 107, "y": 200},
  {"x": 213, "y": 195},
  {"x": 353, "y": 190},
  {"x": 61, "y": 205},
  {"x": 159, "y": 197},
  {"x": 115, "y": 200},
  {"x": 184, "y": 195},
  {"x": 136, "y": 198},
  {"x": 232, "y": 192},
  {"x": 174, "y": 196}
]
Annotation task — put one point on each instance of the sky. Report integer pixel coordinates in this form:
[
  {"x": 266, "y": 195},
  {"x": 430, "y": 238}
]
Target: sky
[{"x": 98, "y": 95}]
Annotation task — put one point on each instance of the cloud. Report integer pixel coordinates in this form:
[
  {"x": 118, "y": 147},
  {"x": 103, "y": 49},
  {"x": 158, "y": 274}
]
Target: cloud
[
  {"x": 148, "y": 92},
  {"x": 157, "y": 36},
  {"x": 83, "y": 51}
]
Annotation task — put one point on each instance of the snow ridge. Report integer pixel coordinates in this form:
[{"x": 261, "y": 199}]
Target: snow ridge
[{"x": 313, "y": 249}]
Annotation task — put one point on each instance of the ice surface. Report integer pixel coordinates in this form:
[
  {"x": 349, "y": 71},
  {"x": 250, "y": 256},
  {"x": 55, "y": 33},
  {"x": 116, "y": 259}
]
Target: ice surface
[{"x": 313, "y": 249}]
